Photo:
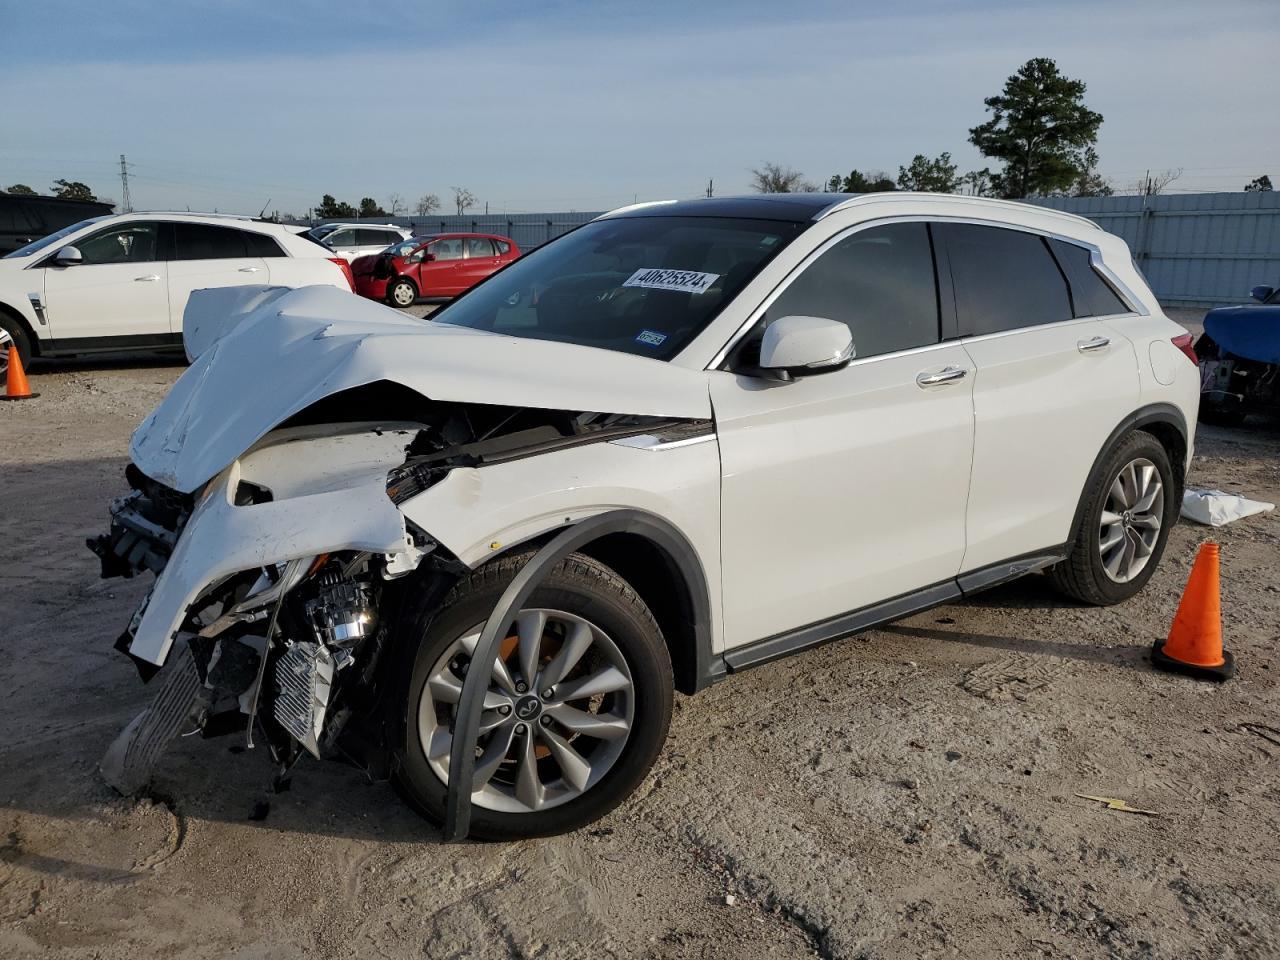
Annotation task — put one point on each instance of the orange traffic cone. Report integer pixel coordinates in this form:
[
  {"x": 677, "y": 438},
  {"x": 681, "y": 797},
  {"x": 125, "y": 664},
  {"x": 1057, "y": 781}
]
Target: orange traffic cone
[
  {"x": 16, "y": 386},
  {"x": 1194, "y": 646}
]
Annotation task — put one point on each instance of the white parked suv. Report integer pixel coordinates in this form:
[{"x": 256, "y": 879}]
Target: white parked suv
[
  {"x": 122, "y": 282},
  {"x": 351, "y": 240},
  {"x": 683, "y": 440}
]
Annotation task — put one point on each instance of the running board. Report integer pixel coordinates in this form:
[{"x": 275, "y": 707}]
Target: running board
[{"x": 784, "y": 644}]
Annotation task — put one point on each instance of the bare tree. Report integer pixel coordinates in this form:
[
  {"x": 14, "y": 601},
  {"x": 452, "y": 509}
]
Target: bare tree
[
  {"x": 427, "y": 204},
  {"x": 396, "y": 205},
  {"x": 1152, "y": 185},
  {"x": 976, "y": 183},
  {"x": 463, "y": 199},
  {"x": 775, "y": 178}
]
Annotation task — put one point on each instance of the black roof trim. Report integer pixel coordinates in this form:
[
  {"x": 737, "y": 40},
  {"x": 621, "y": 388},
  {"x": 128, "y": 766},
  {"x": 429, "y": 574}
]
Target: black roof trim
[{"x": 791, "y": 207}]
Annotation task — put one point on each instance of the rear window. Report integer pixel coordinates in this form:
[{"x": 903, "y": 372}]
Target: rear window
[
  {"x": 641, "y": 285},
  {"x": 202, "y": 241},
  {"x": 375, "y": 238},
  {"x": 1003, "y": 279},
  {"x": 1091, "y": 295}
]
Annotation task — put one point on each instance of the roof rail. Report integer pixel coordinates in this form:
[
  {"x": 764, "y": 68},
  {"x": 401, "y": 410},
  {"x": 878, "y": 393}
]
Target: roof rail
[
  {"x": 197, "y": 213},
  {"x": 862, "y": 199},
  {"x": 636, "y": 206}
]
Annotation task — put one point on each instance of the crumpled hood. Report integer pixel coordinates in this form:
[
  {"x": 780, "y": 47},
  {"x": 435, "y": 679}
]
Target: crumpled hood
[{"x": 293, "y": 348}]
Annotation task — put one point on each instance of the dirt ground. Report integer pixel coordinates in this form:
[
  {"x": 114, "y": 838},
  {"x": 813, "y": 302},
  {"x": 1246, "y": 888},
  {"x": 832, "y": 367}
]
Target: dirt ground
[{"x": 909, "y": 792}]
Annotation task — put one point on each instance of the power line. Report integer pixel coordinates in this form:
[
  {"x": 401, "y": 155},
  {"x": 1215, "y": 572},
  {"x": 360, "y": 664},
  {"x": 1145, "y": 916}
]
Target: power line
[{"x": 126, "y": 205}]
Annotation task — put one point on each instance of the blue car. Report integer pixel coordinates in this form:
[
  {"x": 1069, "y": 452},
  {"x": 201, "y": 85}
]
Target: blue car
[{"x": 1239, "y": 356}]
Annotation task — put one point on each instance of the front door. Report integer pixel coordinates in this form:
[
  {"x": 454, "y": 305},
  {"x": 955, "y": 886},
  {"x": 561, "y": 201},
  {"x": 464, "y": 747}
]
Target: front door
[
  {"x": 116, "y": 297},
  {"x": 440, "y": 274},
  {"x": 481, "y": 260},
  {"x": 345, "y": 243},
  {"x": 845, "y": 489}
]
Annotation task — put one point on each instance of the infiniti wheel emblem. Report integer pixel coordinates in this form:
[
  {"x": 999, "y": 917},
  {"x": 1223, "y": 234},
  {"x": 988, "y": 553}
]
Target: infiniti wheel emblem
[{"x": 528, "y": 707}]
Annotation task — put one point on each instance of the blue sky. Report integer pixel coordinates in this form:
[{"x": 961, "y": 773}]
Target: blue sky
[{"x": 557, "y": 105}]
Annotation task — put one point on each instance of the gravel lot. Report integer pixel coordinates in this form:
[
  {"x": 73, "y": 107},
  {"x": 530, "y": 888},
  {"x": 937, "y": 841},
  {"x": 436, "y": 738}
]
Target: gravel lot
[{"x": 908, "y": 792}]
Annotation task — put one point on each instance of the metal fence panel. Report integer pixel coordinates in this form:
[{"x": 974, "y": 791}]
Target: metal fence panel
[{"x": 1196, "y": 249}]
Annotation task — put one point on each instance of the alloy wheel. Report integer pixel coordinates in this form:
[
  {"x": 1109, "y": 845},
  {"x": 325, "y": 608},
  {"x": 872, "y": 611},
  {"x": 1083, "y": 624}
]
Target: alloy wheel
[
  {"x": 1132, "y": 515},
  {"x": 557, "y": 712}
]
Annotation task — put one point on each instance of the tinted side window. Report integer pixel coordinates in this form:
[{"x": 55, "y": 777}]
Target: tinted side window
[
  {"x": 131, "y": 243},
  {"x": 503, "y": 247},
  {"x": 479, "y": 247},
  {"x": 1090, "y": 294},
  {"x": 375, "y": 238},
  {"x": 1003, "y": 279},
  {"x": 202, "y": 241},
  {"x": 447, "y": 249},
  {"x": 879, "y": 282},
  {"x": 260, "y": 245},
  {"x": 341, "y": 238}
]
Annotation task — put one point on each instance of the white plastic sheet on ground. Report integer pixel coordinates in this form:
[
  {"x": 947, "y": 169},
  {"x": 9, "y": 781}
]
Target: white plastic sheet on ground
[{"x": 1218, "y": 509}]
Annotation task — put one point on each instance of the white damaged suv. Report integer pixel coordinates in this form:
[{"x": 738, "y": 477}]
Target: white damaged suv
[{"x": 680, "y": 441}]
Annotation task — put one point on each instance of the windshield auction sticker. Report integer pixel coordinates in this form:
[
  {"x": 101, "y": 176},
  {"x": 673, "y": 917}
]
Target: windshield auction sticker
[{"x": 681, "y": 281}]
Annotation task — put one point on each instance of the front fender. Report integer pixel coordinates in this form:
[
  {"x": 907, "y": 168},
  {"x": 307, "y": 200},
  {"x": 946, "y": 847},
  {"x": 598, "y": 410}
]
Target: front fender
[{"x": 477, "y": 513}]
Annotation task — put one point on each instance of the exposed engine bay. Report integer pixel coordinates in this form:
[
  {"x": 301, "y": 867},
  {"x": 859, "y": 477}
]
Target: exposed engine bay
[{"x": 301, "y": 654}]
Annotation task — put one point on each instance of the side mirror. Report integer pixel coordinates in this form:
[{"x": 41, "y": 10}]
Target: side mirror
[
  {"x": 68, "y": 257},
  {"x": 802, "y": 346},
  {"x": 428, "y": 257},
  {"x": 1260, "y": 293}
]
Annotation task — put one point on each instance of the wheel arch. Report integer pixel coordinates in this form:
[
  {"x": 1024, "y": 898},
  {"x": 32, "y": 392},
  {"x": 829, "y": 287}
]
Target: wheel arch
[
  {"x": 1163, "y": 421},
  {"x": 663, "y": 567},
  {"x": 12, "y": 313}
]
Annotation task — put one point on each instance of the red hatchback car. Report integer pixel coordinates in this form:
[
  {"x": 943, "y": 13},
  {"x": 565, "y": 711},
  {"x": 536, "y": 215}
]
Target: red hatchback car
[{"x": 430, "y": 266}]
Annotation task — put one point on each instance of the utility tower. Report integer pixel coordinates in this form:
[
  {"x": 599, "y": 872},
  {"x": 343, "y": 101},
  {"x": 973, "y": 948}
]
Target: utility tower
[{"x": 126, "y": 205}]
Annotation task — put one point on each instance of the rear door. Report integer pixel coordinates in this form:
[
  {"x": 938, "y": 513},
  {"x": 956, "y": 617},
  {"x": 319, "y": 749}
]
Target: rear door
[
  {"x": 207, "y": 255},
  {"x": 370, "y": 241},
  {"x": 117, "y": 295},
  {"x": 1051, "y": 383},
  {"x": 481, "y": 260}
]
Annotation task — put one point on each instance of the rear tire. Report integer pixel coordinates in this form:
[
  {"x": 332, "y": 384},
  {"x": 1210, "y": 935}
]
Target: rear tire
[
  {"x": 581, "y": 591},
  {"x": 402, "y": 293},
  {"x": 1091, "y": 572}
]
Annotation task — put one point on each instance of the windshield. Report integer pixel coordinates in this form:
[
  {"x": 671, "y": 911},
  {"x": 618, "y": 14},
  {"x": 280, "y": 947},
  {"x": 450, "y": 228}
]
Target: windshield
[
  {"x": 403, "y": 249},
  {"x": 319, "y": 233},
  {"x": 642, "y": 285},
  {"x": 36, "y": 246}
]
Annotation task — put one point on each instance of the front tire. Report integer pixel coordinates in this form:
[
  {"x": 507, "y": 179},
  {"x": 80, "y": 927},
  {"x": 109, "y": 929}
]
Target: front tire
[
  {"x": 577, "y": 710},
  {"x": 1128, "y": 508},
  {"x": 402, "y": 293},
  {"x": 19, "y": 338}
]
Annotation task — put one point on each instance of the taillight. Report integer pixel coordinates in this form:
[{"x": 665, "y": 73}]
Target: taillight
[
  {"x": 346, "y": 271},
  {"x": 1183, "y": 343}
]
